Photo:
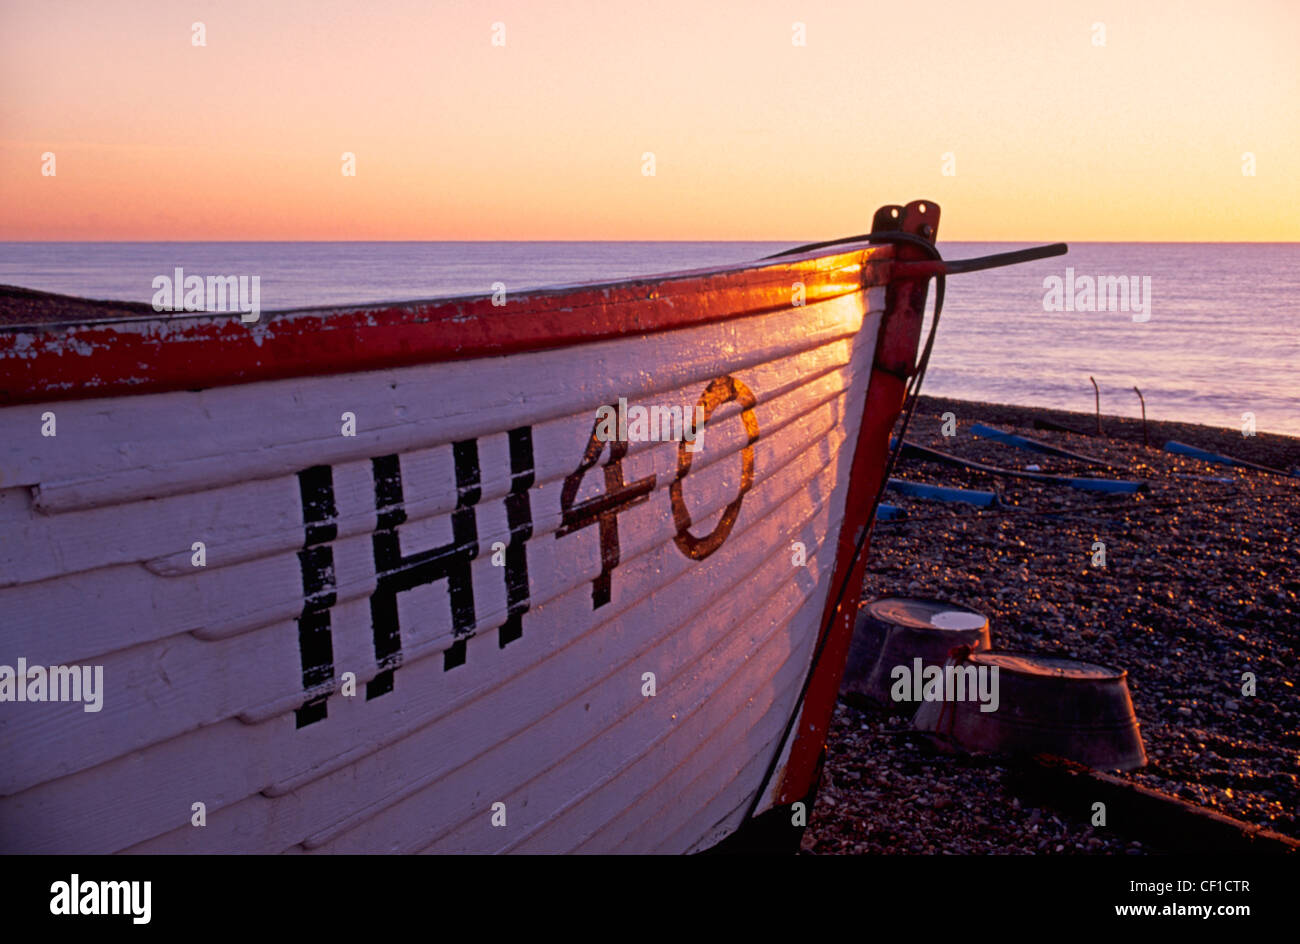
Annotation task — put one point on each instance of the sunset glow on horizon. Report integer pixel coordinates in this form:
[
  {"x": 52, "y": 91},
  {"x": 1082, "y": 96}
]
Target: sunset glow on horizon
[{"x": 1011, "y": 116}]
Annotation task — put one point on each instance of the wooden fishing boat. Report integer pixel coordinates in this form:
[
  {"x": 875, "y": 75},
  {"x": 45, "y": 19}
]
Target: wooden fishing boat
[{"x": 371, "y": 579}]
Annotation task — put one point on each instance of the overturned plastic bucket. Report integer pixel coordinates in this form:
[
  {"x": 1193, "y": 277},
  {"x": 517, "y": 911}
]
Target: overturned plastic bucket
[
  {"x": 1040, "y": 704},
  {"x": 896, "y": 631}
]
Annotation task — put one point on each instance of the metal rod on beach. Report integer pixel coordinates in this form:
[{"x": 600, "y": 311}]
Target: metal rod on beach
[
  {"x": 1096, "y": 392},
  {"x": 1144, "y": 414}
]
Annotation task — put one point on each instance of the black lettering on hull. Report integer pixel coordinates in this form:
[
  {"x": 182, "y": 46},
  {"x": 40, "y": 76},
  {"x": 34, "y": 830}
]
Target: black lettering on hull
[
  {"x": 519, "y": 515},
  {"x": 397, "y": 573},
  {"x": 316, "y": 561}
]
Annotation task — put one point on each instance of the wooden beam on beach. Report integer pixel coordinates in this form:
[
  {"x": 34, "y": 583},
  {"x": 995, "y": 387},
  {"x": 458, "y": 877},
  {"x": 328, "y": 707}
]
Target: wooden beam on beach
[
  {"x": 1084, "y": 483},
  {"x": 1033, "y": 445},
  {"x": 889, "y": 512},
  {"x": 969, "y": 496},
  {"x": 1163, "y": 821},
  {"x": 1204, "y": 455},
  {"x": 1056, "y": 427}
]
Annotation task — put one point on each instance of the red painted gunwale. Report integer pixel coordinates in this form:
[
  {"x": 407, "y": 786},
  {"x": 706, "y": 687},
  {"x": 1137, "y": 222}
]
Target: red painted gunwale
[{"x": 55, "y": 347}]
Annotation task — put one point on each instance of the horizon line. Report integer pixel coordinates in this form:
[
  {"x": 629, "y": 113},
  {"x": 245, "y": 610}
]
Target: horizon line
[{"x": 1097, "y": 242}]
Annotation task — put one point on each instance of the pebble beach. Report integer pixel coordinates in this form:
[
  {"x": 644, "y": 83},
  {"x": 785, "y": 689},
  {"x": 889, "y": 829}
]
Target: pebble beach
[{"x": 1201, "y": 585}]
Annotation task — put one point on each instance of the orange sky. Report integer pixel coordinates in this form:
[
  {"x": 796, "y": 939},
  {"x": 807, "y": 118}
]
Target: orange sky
[{"x": 1053, "y": 137}]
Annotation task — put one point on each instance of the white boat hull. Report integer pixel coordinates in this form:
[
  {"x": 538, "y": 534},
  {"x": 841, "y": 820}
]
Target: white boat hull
[{"x": 493, "y": 698}]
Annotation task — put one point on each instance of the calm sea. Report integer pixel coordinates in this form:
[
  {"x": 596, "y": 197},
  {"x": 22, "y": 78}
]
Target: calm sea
[{"x": 1222, "y": 338}]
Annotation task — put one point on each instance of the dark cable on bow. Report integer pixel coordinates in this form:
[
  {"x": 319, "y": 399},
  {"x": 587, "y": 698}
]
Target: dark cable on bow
[
  {"x": 909, "y": 405},
  {"x": 936, "y": 268}
]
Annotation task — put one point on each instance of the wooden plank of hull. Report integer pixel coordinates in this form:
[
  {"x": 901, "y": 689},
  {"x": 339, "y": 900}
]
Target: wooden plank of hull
[{"x": 206, "y": 666}]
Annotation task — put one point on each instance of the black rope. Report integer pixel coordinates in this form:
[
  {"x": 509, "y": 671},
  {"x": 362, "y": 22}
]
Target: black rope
[
  {"x": 1114, "y": 508},
  {"x": 809, "y": 247},
  {"x": 998, "y": 259},
  {"x": 950, "y": 266},
  {"x": 909, "y": 401}
]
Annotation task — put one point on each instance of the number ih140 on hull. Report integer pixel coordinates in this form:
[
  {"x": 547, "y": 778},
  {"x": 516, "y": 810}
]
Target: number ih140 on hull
[{"x": 475, "y": 625}]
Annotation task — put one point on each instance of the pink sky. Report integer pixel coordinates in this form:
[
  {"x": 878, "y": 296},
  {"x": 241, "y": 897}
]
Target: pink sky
[{"x": 1051, "y": 135}]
